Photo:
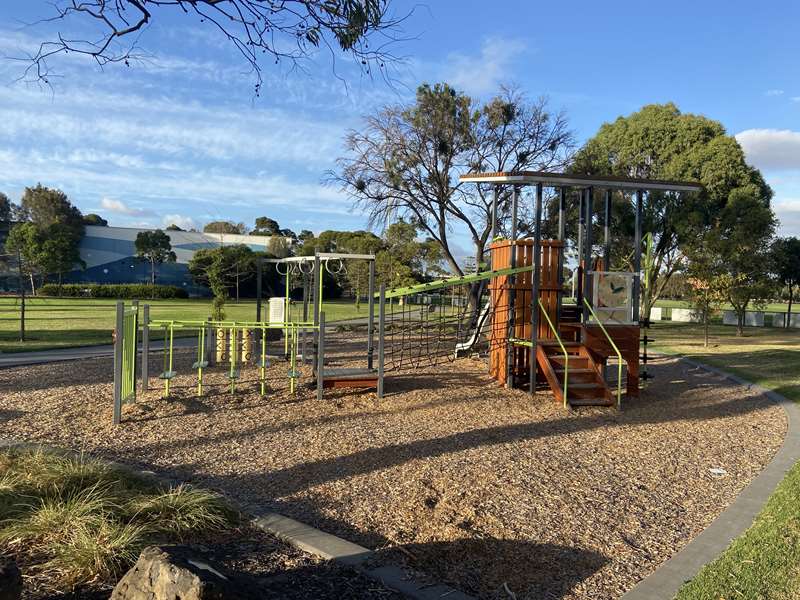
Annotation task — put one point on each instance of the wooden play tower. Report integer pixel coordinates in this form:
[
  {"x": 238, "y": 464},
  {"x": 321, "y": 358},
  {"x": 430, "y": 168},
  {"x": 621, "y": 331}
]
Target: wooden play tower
[{"x": 567, "y": 344}]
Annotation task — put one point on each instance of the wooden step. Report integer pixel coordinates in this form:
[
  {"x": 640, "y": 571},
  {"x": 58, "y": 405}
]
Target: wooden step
[
  {"x": 575, "y": 362},
  {"x": 577, "y": 375},
  {"x": 596, "y": 401}
]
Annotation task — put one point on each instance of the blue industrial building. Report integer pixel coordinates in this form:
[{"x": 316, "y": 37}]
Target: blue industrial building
[{"x": 110, "y": 256}]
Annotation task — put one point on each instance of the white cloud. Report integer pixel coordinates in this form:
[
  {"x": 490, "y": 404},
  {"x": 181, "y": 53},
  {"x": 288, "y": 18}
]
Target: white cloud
[
  {"x": 484, "y": 73},
  {"x": 795, "y": 98},
  {"x": 119, "y": 207},
  {"x": 788, "y": 211},
  {"x": 773, "y": 93},
  {"x": 771, "y": 149},
  {"x": 179, "y": 220}
]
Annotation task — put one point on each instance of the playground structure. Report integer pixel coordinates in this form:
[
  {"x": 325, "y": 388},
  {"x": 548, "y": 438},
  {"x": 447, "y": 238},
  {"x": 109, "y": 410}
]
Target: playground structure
[
  {"x": 534, "y": 337},
  {"x": 238, "y": 344}
]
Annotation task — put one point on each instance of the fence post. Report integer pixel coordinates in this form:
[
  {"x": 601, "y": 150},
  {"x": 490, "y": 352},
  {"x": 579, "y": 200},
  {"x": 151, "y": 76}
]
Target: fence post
[
  {"x": 381, "y": 337},
  {"x": 145, "y": 347},
  {"x": 320, "y": 355},
  {"x": 118, "y": 341}
]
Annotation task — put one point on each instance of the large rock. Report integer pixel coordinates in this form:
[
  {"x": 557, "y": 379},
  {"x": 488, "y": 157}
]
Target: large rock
[
  {"x": 10, "y": 580},
  {"x": 178, "y": 573}
]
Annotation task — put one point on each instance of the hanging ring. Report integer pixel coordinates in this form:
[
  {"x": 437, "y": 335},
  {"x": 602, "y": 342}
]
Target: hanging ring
[
  {"x": 339, "y": 268},
  {"x": 278, "y": 268},
  {"x": 306, "y": 264}
]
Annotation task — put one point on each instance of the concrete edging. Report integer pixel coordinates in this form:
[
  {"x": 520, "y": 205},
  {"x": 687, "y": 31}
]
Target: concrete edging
[
  {"x": 330, "y": 547},
  {"x": 669, "y": 577}
]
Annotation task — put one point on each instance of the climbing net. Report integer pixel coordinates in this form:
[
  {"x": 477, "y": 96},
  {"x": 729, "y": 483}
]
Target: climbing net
[{"x": 427, "y": 329}]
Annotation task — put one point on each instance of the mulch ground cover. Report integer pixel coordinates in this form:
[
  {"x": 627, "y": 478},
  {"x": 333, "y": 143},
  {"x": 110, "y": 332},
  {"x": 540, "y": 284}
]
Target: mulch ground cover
[{"x": 490, "y": 490}]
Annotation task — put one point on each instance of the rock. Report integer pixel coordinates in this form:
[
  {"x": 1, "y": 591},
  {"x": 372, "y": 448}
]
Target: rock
[
  {"x": 10, "y": 580},
  {"x": 179, "y": 573}
]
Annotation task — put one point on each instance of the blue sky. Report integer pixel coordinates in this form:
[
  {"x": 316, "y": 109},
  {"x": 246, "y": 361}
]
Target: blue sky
[{"x": 181, "y": 138}]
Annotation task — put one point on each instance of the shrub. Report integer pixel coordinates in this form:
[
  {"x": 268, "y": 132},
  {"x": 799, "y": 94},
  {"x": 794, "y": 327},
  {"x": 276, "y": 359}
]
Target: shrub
[{"x": 121, "y": 291}]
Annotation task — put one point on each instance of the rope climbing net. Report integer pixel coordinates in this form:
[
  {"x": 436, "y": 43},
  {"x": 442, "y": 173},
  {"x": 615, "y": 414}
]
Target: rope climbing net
[{"x": 427, "y": 329}]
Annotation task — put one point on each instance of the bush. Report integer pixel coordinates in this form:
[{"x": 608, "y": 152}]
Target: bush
[{"x": 121, "y": 291}]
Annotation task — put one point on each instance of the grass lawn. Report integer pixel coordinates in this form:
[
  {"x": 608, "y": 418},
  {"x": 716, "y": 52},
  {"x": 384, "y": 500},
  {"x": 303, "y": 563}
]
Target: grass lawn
[
  {"x": 68, "y": 322},
  {"x": 764, "y": 563}
]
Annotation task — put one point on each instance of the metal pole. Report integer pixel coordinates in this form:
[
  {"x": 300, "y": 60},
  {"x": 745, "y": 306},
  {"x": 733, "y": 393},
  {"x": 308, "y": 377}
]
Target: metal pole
[
  {"x": 145, "y": 347},
  {"x": 321, "y": 356},
  {"x": 315, "y": 292},
  {"x": 537, "y": 263},
  {"x": 514, "y": 201},
  {"x": 211, "y": 344},
  {"x": 637, "y": 255},
  {"x": 607, "y": 232},
  {"x": 259, "y": 277},
  {"x": 118, "y": 333},
  {"x": 587, "y": 253},
  {"x": 381, "y": 337},
  {"x": 371, "y": 316},
  {"x": 562, "y": 234},
  {"x": 21, "y": 284},
  {"x": 493, "y": 232},
  {"x": 578, "y": 278}
]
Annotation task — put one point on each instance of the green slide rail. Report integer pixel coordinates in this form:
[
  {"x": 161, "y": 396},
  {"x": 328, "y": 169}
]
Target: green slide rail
[{"x": 614, "y": 346}]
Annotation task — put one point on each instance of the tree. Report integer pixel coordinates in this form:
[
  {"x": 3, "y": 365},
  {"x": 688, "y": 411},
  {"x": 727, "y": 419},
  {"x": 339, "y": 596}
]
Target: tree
[
  {"x": 154, "y": 247},
  {"x": 225, "y": 227},
  {"x": 93, "y": 219},
  {"x": 708, "y": 283},
  {"x": 255, "y": 28},
  {"x": 58, "y": 252},
  {"x": 47, "y": 206},
  {"x": 27, "y": 240},
  {"x": 279, "y": 247},
  {"x": 659, "y": 142},
  {"x": 5, "y": 208},
  {"x": 786, "y": 264},
  {"x": 173, "y": 227},
  {"x": 405, "y": 161},
  {"x": 223, "y": 268},
  {"x": 266, "y": 226}
]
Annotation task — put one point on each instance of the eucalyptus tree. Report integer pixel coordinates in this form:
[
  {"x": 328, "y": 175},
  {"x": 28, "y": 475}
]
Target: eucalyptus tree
[{"x": 404, "y": 162}]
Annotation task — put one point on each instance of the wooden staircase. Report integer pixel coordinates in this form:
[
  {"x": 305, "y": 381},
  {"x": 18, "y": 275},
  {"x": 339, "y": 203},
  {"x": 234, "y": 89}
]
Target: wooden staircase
[{"x": 585, "y": 384}]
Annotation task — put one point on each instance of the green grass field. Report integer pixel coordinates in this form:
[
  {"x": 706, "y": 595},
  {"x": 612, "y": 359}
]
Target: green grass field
[
  {"x": 69, "y": 322},
  {"x": 764, "y": 563}
]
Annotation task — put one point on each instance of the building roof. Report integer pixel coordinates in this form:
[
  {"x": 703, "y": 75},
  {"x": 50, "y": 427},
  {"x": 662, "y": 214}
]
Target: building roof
[{"x": 569, "y": 180}]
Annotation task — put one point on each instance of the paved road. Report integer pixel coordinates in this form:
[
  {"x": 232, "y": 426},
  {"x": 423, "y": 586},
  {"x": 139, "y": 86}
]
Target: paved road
[{"x": 19, "y": 359}]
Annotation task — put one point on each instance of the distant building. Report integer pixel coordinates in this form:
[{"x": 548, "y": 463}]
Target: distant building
[{"x": 110, "y": 256}]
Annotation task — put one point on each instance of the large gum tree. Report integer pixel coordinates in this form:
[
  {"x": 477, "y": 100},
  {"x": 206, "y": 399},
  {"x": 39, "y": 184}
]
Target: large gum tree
[
  {"x": 405, "y": 160},
  {"x": 660, "y": 142}
]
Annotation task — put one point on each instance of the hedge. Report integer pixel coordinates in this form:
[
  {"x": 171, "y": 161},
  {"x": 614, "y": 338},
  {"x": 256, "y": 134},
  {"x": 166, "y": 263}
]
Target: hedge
[{"x": 122, "y": 291}]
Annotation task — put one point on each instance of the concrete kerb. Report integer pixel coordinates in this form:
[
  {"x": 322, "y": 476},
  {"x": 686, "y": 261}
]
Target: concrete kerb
[{"x": 667, "y": 579}]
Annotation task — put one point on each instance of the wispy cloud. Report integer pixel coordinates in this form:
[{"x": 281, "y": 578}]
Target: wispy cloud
[
  {"x": 788, "y": 211},
  {"x": 119, "y": 207},
  {"x": 771, "y": 149},
  {"x": 774, "y": 93},
  {"x": 795, "y": 98},
  {"x": 483, "y": 73},
  {"x": 180, "y": 220}
]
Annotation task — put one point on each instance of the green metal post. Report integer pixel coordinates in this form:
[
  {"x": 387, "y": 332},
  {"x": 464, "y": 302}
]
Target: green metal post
[{"x": 117, "y": 416}]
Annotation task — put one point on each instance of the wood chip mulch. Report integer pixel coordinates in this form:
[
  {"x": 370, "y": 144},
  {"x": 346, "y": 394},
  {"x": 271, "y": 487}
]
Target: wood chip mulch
[{"x": 491, "y": 491}]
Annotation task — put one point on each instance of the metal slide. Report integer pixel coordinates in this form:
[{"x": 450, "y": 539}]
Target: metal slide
[{"x": 476, "y": 333}]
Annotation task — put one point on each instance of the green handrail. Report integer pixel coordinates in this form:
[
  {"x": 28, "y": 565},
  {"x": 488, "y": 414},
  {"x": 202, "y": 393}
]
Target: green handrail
[
  {"x": 563, "y": 349},
  {"x": 614, "y": 346}
]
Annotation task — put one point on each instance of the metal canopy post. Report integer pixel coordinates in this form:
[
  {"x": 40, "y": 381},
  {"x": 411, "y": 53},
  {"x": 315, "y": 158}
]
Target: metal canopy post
[
  {"x": 512, "y": 291},
  {"x": 578, "y": 277},
  {"x": 381, "y": 338},
  {"x": 493, "y": 232},
  {"x": 562, "y": 234},
  {"x": 371, "y": 316},
  {"x": 637, "y": 255},
  {"x": 587, "y": 253},
  {"x": 537, "y": 261},
  {"x": 607, "y": 232},
  {"x": 514, "y": 203}
]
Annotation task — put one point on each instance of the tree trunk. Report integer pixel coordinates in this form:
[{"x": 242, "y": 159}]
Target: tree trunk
[
  {"x": 789, "y": 312},
  {"x": 60, "y": 281},
  {"x": 740, "y": 323},
  {"x": 237, "y": 286},
  {"x": 152, "y": 272},
  {"x": 706, "y": 315},
  {"x": 33, "y": 285}
]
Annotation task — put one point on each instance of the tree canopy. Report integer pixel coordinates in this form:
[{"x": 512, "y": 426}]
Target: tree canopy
[
  {"x": 156, "y": 248},
  {"x": 786, "y": 264},
  {"x": 224, "y": 227},
  {"x": 254, "y": 28},
  {"x": 94, "y": 219},
  {"x": 660, "y": 142},
  {"x": 405, "y": 161}
]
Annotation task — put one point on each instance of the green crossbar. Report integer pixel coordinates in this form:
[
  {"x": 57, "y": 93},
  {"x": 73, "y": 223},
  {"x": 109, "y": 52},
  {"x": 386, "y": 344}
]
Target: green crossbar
[{"x": 443, "y": 283}]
